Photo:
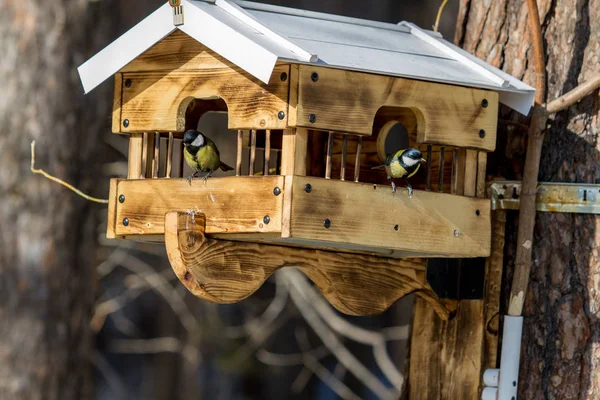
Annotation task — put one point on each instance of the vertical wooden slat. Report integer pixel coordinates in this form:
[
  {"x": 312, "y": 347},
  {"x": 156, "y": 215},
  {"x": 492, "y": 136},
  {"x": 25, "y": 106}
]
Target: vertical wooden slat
[
  {"x": 344, "y": 156},
  {"x": 481, "y": 168},
  {"x": 267, "y": 152},
  {"x": 169, "y": 165},
  {"x": 278, "y": 162},
  {"x": 112, "y": 206},
  {"x": 441, "y": 170},
  {"x": 429, "y": 163},
  {"x": 470, "y": 173},
  {"x": 146, "y": 149},
  {"x": 458, "y": 172},
  {"x": 181, "y": 159},
  {"x": 328, "y": 157},
  {"x": 117, "y": 100},
  {"x": 156, "y": 158},
  {"x": 240, "y": 144},
  {"x": 134, "y": 159},
  {"x": 252, "y": 152},
  {"x": 359, "y": 142}
]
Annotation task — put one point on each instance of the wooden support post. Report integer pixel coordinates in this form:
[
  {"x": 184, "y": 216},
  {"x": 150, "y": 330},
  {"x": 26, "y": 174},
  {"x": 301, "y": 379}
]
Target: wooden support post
[
  {"x": 267, "y": 152},
  {"x": 470, "y": 180},
  {"x": 359, "y": 142},
  {"x": 293, "y": 153},
  {"x": 429, "y": 162},
  {"x": 156, "y": 157},
  {"x": 134, "y": 161},
  {"x": 252, "y": 152},
  {"x": 441, "y": 170},
  {"x": 240, "y": 145},
  {"x": 344, "y": 156},
  {"x": 147, "y": 154},
  {"x": 328, "y": 156}
]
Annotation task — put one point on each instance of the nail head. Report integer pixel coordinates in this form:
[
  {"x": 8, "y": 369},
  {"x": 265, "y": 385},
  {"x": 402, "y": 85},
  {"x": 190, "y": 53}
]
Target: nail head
[
  {"x": 396, "y": 227},
  {"x": 312, "y": 118},
  {"x": 283, "y": 76},
  {"x": 327, "y": 223},
  {"x": 122, "y": 198},
  {"x": 277, "y": 191},
  {"x": 125, "y": 221},
  {"x": 281, "y": 115},
  {"x": 308, "y": 188},
  {"x": 127, "y": 83},
  {"x": 481, "y": 133},
  {"x": 266, "y": 219},
  {"x": 126, "y": 123},
  {"x": 484, "y": 103},
  {"x": 456, "y": 232},
  {"x": 314, "y": 76}
]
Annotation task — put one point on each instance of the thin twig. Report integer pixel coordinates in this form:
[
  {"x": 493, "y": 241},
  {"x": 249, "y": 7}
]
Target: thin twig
[
  {"x": 320, "y": 371},
  {"x": 573, "y": 96},
  {"x": 293, "y": 279},
  {"x": 439, "y": 15},
  {"x": 291, "y": 359},
  {"x": 535, "y": 29},
  {"x": 60, "y": 181}
]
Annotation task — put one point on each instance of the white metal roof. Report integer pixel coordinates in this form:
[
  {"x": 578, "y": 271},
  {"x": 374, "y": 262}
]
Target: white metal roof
[{"x": 255, "y": 36}]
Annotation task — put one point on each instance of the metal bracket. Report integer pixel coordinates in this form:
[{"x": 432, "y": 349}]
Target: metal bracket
[
  {"x": 177, "y": 12},
  {"x": 580, "y": 198}
]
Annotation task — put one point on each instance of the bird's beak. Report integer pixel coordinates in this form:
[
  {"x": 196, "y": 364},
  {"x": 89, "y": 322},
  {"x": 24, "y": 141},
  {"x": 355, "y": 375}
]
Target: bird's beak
[{"x": 423, "y": 161}]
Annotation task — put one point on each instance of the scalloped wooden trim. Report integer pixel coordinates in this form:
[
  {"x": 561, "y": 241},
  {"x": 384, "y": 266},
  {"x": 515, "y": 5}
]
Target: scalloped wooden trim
[{"x": 223, "y": 271}]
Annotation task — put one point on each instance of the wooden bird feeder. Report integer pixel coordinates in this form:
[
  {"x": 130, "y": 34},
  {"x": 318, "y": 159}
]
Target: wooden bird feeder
[{"x": 323, "y": 98}]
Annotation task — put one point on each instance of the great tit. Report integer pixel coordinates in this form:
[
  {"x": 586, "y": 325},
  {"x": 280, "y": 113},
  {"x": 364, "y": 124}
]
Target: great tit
[
  {"x": 402, "y": 164},
  {"x": 201, "y": 154}
]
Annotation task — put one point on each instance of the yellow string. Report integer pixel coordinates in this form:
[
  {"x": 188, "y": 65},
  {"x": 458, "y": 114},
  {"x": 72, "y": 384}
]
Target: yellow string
[
  {"x": 52, "y": 178},
  {"x": 439, "y": 15}
]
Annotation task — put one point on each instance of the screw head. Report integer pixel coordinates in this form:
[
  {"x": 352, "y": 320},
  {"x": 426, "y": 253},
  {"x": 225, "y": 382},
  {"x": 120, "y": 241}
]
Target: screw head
[
  {"x": 481, "y": 133},
  {"x": 484, "y": 103},
  {"x": 122, "y": 198},
  {"x": 327, "y": 223},
  {"x": 125, "y": 221},
  {"x": 266, "y": 219},
  {"x": 283, "y": 76},
  {"x": 277, "y": 191},
  {"x": 456, "y": 232},
  {"x": 281, "y": 115},
  {"x": 314, "y": 77},
  {"x": 127, "y": 83},
  {"x": 126, "y": 123},
  {"x": 396, "y": 227},
  {"x": 312, "y": 118},
  {"x": 477, "y": 212},
  {"x": 308, "y": 188}
]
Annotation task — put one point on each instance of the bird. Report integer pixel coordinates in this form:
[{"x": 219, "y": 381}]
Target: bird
[
  {"x": 201, "y": 154},
  {"x": 402, "y": 164}
]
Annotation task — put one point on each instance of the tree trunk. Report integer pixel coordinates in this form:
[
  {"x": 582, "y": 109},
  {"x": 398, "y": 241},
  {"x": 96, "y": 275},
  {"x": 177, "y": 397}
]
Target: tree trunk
[
  {"x": 47, "y": 233},
  {"x": 560, "y": 354}
]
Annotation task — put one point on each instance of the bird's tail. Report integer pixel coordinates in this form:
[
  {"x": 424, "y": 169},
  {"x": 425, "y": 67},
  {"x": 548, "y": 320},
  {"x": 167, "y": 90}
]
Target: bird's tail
[
  {"x": 379, "y": 166},
  {"x": 225, "y": 167}
]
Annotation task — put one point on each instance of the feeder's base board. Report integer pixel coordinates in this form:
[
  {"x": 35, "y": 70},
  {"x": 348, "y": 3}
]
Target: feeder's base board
[
  {"x": 224, "y": 271},
  {"x": 308, "y": 212}
]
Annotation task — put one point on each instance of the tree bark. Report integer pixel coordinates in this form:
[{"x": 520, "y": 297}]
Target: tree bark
[
  {"x": 47, "y": 233},
  {"x": 560, "y": 357}
]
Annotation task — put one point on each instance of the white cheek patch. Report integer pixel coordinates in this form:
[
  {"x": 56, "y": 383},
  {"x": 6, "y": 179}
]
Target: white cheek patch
[
  {"x": 198, "y": 142},
  {"x": 409, "y": 162}
]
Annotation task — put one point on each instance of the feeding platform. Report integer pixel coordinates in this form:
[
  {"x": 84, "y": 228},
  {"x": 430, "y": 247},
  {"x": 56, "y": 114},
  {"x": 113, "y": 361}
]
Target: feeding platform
[{"x": 312, "y": 103}]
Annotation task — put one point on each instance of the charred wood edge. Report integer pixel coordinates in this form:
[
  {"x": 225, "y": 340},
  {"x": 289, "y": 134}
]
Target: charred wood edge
[{"x": 222, "y": 271}]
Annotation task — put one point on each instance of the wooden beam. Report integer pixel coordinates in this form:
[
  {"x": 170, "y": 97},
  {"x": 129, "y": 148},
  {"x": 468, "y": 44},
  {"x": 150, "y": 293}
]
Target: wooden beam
[
  {"x": 226, "y": 272},
  {"x": 293, "y": 153},
  {"x": 232, "y": 204},
  {"x": 134, "y": 158},
  {"x": 366, "y": 215},
  {"x": 347, "y": 101},
  {"x": 112, "y": 204}
]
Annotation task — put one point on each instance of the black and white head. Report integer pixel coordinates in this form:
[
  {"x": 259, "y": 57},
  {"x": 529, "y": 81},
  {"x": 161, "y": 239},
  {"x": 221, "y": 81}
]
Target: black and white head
[
  {"x": 411, "y": 157},
  {"x": 193, "y": 138}
]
